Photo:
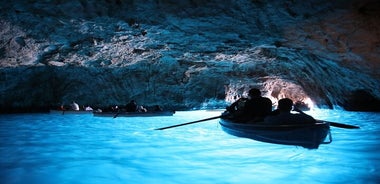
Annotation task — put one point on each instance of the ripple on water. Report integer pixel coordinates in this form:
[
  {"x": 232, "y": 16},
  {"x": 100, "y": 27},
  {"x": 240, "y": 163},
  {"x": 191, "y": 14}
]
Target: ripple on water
[{"x": 87, "y": 149}]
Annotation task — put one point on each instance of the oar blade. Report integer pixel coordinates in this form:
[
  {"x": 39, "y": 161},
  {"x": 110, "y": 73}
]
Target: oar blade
[
  {"x": 341, "y": 125},
  {"x": 334, "y": 124}
]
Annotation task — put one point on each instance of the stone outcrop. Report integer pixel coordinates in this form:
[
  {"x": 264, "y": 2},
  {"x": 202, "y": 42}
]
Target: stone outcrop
[{"x": 188, "y": 54}]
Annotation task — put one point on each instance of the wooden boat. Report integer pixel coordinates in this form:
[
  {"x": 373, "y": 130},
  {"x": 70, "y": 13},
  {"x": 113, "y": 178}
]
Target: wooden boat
[
  {"x": 306, "y": 135},
  {"x": 69, "y": 112},
  {"x": 133, "y": 114}
]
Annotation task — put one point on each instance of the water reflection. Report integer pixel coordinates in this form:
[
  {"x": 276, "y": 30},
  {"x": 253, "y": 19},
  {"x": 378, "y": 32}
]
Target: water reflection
[{"x": 44, "y": 148}]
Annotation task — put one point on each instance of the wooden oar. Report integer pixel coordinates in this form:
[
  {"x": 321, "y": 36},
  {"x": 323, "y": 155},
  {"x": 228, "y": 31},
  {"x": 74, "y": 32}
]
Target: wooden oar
[
  {"x": 341, "y": 125},
  {"x": 334, "y": 124},
  {"x": 163, "y": 128},
  {"x": 116, "y": 114}
]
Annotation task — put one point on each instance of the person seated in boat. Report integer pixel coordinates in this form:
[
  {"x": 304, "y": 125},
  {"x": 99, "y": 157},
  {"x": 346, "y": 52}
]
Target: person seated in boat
[
  {"x": 88, "y": 108},
  {"x": 74, "y": 106},
  {"x": 283, "y": 116},
  {"x": 62, "y": 107},
  {"x": 157, "y": 108},
  {"x": 131, "y": 106},
  {"x": 115, "y": 108},
  {"x": 258, "y": 107},
  {"x": 237, "y": 108},
  {"x": 251, "y": 109},
  {"x": 141, "y": 108}
]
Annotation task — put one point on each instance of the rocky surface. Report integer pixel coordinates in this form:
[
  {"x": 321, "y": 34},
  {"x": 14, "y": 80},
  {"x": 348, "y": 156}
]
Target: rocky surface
[{"x": 188, "y": 54}]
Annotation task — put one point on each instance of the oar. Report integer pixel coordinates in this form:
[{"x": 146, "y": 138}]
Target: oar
[
  {"x": 163, "y": 128},
  {"x": 334, "y": 124},
  {"x": 341, "y": 125},
  {"x": 116, "y": 114}
]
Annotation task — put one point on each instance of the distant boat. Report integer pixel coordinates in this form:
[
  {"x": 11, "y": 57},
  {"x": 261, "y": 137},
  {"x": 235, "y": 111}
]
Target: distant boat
[
  {"x": 134, "y": 114},
  {"x": 69, "y": 112},
  {"x": 306, "y": 135}
]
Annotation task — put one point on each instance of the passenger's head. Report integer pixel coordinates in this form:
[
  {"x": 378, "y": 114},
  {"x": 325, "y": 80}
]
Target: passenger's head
[
  {"x": 285, "y": 105},
  {"x": 254, "y": 92}
]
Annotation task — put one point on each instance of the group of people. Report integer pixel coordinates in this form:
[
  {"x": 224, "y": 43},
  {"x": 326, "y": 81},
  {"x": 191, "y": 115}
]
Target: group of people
[
  {"x": 254, "y": 108},
  {"x": 132, "y": 106},
  {"x": 75, "y": 107},
  {"x": 257, "y": 108}
]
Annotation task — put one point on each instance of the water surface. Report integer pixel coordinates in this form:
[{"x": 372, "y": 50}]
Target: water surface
[{"x": 55, "y": 148}]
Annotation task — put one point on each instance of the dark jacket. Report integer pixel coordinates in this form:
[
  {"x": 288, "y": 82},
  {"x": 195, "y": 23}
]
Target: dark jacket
[{"x": 257, "y": 108}]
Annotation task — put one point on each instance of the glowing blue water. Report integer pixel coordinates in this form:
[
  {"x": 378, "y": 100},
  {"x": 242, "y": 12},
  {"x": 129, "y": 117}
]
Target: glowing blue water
[{"x": 47, "y": 148}]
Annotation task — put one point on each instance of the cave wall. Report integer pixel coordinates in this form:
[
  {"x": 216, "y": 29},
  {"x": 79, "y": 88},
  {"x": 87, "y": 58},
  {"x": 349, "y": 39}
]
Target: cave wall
[{"x": 188, "y": 53}]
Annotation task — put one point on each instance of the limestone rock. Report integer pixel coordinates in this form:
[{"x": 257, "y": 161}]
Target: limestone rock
[{"x": 187, "y": 54}]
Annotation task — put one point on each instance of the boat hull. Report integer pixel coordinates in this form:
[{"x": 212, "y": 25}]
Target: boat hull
[
  {"x": 308, "y": 136},
  {"x": 134, "y": 114},
  {"x": 63, "y": 112}
]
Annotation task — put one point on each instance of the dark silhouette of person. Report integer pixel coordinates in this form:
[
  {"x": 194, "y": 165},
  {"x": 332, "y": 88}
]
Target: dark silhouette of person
[
  {"x": 131, "y": 106},
  {"x": 257, "y": 107},
  {"x": 237, "y": 108},
  {"x": 115, "y": 108},
  {"x": 157, "y": 108},
  {"x": 251, "y": 109},
  {"x": 283, "y": 116}
]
